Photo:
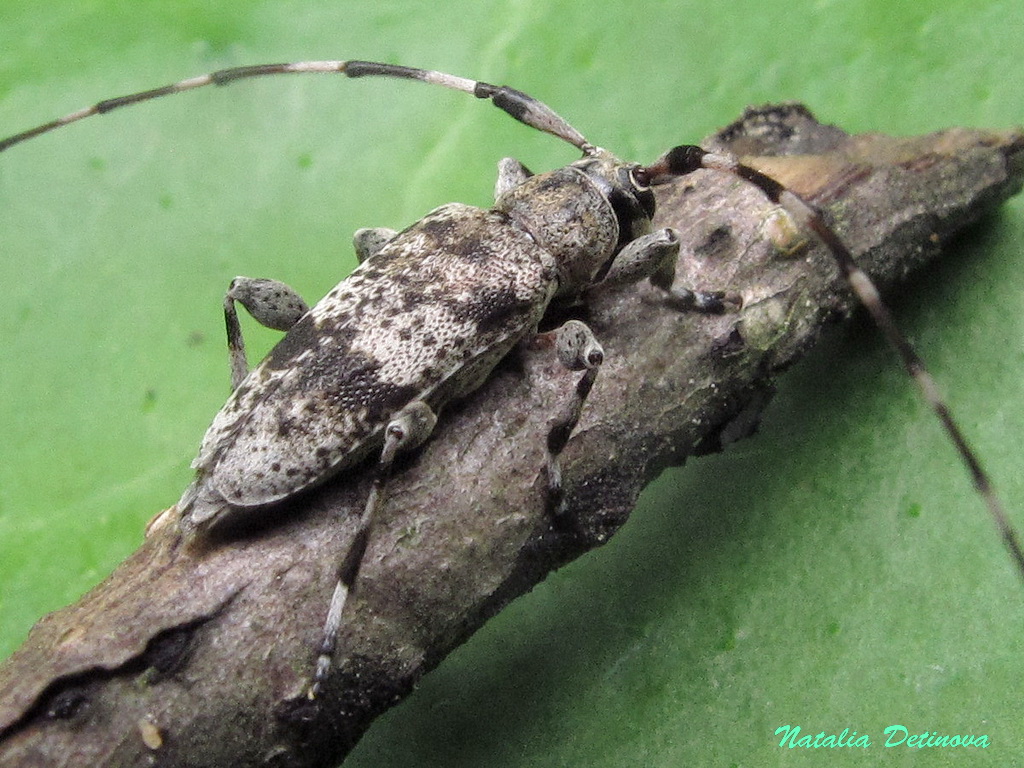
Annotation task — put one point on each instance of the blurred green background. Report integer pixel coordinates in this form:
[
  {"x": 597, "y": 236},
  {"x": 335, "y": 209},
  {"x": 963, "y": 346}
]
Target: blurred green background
[{"x": 835, "y": 572}]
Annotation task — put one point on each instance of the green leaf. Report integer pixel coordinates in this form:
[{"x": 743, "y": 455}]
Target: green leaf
[{"x": 835, "y": 572}]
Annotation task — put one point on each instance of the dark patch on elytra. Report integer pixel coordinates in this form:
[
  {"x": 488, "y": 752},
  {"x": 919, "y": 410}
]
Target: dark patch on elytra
[
  {"x": 284, "y": 426},
  {"x": 339, "y": 379},
  {"x": 302, "y": 336},
  {"x": 410, "y": 299},
  {"x": 452, "y": 236},
  {"x": 472, "y": 249},
  {"x": 348, "y": 381},
  {"x": 497, "y": 306},
  {"x": 441, "y": 229}
]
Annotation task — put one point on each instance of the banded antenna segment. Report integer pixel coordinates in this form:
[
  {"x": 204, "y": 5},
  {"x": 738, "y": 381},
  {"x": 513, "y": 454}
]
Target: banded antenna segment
[
  {"x": 681, "y": 161},
  {"x": 519, "y": 105}
]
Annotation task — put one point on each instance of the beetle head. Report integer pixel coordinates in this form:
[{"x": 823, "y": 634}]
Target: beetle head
[
  {"x": 583, "y": 214},
  {"x": 631, "y": 200}
]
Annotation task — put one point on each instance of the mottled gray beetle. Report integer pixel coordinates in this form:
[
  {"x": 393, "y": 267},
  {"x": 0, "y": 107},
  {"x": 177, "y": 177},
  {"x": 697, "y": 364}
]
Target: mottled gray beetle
[{"x": 431, "y": 311}]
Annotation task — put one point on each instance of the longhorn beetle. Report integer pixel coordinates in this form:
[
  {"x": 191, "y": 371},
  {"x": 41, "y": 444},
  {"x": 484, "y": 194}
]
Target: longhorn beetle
[{"x": 431, "y": 310}]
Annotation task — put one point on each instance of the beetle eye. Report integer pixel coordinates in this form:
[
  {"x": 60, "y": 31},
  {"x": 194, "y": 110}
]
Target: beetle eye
[
  {"x": 641, "y": 191},
  {"x": 638, "y": 180}
]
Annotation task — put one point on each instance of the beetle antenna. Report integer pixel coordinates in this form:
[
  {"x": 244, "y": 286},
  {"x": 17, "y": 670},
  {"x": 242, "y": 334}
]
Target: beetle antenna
[
  {"x": 684, "y": 160},
  {"x": 519, "y": 105}
]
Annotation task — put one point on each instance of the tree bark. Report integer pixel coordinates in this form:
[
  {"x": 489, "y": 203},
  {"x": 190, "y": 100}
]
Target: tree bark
[{"x": 199, "y": 656}]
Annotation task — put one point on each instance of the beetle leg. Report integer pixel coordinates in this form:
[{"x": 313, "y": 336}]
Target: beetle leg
[
  {"x": 654, "y": 256},
  {"x": 511, "y": 173},
  {"x": 577, "y": 350},
  {"x": 370, "y": 240},
  {"x": 270, "y": 302},
  {"x": 407, "y": 430}
]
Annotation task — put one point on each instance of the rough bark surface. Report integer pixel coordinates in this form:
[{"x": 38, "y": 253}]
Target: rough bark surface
[{"x": 198, "y": 657}]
